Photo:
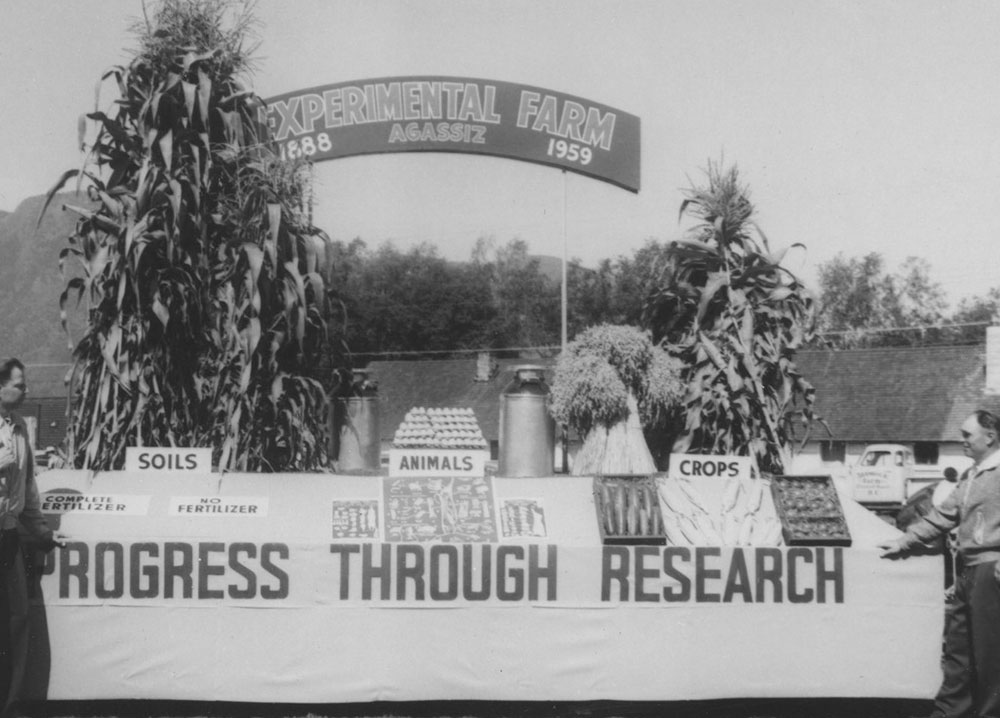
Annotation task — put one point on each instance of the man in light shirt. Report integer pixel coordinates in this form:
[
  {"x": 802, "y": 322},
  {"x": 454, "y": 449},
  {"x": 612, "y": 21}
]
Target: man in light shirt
[
  {"x": 19, "y": 504},
  {"x": 971, "y": 662}
]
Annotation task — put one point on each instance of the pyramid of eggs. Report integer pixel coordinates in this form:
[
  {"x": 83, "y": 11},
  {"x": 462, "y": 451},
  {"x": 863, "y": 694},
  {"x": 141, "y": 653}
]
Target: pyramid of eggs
[{"x": 439, "y": 428}]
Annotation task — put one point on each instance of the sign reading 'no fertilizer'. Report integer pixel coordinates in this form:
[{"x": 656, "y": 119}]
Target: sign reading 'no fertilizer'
[{"x": 457, "y": 114}]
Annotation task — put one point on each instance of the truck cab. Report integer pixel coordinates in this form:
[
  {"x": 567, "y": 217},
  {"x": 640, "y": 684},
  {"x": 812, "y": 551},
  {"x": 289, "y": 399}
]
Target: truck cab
[{"x": 886, "y": 475}]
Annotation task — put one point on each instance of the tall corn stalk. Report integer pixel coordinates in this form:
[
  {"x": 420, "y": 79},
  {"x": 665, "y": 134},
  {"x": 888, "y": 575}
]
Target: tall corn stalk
[
  {"x": 202, "y": 275},
  {"x": 735, "y": 317}
]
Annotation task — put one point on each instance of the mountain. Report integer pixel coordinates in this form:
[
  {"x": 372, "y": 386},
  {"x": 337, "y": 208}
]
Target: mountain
[{"x": 30, "y": 282}]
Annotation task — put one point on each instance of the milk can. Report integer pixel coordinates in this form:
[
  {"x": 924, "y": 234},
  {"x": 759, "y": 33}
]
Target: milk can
[
  {"x": 356, "y": 426},
  {"x": 527, "y": 431}
]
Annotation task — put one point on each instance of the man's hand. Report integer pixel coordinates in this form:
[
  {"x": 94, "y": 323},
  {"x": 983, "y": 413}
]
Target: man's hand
[
  {"x": 892, "y": 548},
  {"x": 52, "y": 542}
]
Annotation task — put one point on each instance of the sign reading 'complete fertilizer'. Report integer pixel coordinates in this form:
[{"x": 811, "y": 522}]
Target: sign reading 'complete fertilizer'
[{"x": 122, "y": 504}]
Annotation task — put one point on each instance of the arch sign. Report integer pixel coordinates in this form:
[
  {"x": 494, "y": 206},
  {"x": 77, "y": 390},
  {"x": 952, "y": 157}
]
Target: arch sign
[{"x": 457, "y": 114}]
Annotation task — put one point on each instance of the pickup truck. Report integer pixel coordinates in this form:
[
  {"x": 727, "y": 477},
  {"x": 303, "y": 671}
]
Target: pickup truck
[{"x": 886, "y": 475}]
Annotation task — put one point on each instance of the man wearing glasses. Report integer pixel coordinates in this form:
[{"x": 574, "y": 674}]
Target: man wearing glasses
[{"x": 971, "y": 662}]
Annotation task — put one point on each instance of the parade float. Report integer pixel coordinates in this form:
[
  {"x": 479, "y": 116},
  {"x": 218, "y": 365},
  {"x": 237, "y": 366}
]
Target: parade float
[
  {"x": 226, "y": 572},
  {"x": 457, "y": 583}
]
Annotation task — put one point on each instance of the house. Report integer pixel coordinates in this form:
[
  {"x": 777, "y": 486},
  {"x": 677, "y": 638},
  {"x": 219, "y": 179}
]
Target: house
[{"x": 918, "y": 396}]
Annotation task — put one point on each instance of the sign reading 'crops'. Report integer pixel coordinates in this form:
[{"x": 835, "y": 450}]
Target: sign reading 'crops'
[{"x": 457, "y": 114}]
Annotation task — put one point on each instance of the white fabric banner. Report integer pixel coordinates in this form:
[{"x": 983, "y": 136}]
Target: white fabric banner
[{"x": 308, "y": 603}]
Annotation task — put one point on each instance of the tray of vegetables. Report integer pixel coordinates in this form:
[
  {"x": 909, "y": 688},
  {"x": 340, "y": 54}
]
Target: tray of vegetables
[
  {"x": 628, "y": 510},
  {"x": 810, "y": 511}
]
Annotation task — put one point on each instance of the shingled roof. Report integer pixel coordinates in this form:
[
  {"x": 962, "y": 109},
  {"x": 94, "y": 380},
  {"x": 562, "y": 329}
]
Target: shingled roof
[
  {"x": 47, "y": 380},
  {"x": 403, "y": 385},
  {"x": 897, "y": 394}
]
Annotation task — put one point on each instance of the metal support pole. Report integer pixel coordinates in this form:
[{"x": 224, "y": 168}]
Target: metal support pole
[{"x": 564, "y": 441}]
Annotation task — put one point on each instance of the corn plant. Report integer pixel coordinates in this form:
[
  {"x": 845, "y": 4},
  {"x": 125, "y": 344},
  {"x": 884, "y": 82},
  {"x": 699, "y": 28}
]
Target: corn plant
[
  {"x": 734, "y": 316},
  {"x": 202, "y": 275}
]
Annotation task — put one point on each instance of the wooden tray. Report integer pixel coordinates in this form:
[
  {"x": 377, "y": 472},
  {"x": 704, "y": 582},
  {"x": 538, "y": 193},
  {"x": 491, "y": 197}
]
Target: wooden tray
[
  {"x": 810, "y": 511},
  {"x": 636, "y": 520}
]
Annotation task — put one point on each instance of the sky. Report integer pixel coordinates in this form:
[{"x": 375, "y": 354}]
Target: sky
[{"x": 859, "y": 126}]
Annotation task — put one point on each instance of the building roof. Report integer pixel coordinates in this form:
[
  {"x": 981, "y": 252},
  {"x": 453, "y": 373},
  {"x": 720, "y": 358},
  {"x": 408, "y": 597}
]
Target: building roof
[
  {"x": 899, "y": 394},
  {"x": 47, "y": 380},
  {"x": 403, "y": 385}
]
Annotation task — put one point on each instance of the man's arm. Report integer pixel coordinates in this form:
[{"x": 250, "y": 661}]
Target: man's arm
[
  {"x": 937, "y": 522},
  {"x": 6, "y": 460},
  {"x": 31, "y": 516}
]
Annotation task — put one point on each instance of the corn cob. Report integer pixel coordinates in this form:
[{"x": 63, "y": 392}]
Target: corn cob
[
  {"x": 708, "y": 530},
  {"x": 674, "y": 499},
  {"x": 747, "y": 530},
  {"x": 648, "y": 515},
  {"x": 771, "y": 532},
  {"x": 619, "y": 492},
  {"x": 656, "y": 522},
  {"x": 607, "y": 510},
  {"x": 672, "y": 530},
  {"x": 690, "y": 531},
  {"x": 755, "y": 496},
  {"x": 731, "y": 495},
  {"x": 692, "y": 493},
  {"x": 632, "y": 510},
  {"x": 730, "y": 529}
]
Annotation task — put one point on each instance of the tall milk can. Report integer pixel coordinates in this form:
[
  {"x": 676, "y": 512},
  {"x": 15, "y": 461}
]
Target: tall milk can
[
  {"x": 356, "y": 427},
  {"x": 527, "y": 431}
]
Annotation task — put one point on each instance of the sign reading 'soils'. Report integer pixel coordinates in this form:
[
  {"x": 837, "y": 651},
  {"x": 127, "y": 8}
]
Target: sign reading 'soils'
[
  {"x": 457, "y": 114},
  {"x": 174, "y": 460}
]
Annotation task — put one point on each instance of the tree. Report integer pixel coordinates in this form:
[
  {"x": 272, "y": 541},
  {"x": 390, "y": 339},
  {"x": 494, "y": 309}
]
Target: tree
[
  {"x": 525, "y": 303},
  {"x": 202, "y": 272},
  {"x": 734, "y": 316},
  {"x": 861, "y": 304},
  {"x": 397, "y": 301},
  {"x": 973, "y": 314},
  {"x": 614, "y": 292}
]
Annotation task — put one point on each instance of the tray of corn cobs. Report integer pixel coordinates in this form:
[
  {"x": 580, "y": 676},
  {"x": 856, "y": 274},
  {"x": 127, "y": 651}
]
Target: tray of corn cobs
[
  {"x": 628, "y": 511},
  {"x": 810, "y": 511}
]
